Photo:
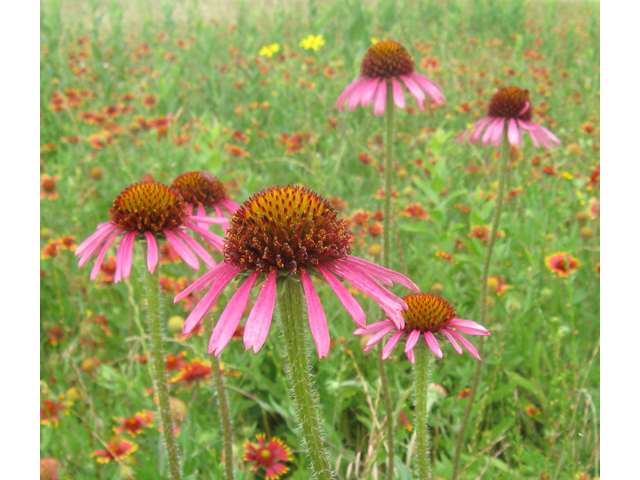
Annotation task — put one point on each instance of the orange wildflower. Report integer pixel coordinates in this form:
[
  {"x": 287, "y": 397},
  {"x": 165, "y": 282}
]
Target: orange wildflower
[{"x": 562, "y": 264}]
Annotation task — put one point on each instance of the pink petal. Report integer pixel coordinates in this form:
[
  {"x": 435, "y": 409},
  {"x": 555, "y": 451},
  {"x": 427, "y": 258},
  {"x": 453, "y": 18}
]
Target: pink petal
[
  {"x": 201, "y": 213},
  {"x": 317, "y": 318},
  {"x": 231, "y": 316},
  {"x": 542, "y": 138},
  {"x": 514, "y": 135},
  {"x": 348, "y": 302},
  {"x": 152, "y": 252},
  {"x": 551, "y": 136},
  {"x": 376, "y": 337},
  {"x": 415, "y": 90},
  {"x": 432, "y": 88},
  {"x": 380, "y": 98},
  {"x": 203, "y": 221},
  {"x": 220, "y": 213},
  {"x": 211, "y": 238},
  {"x": 411, "y": 356},
  {"x": 225, "y": 273},
  {"x": 230, "y": 205},
  {"x": 526, "y": 125},
  {"x": 433, "y": 344},
  {"x": 466, "y": 344},
  {"x": 524, "y": 108},
  {"x": 382, "y": 273},
  {"x": 103, "y": 252},
  {"x": 196, "y": 247},
  {"x": 374, "y": 327},
  {"x": 398, "y": 97},
  {"x": 496, "y": 138},
  {"x": 347, "y": 92},
  {"x": 182, "y": 250},
  {"x": 412, "y": 339},
  {"x": 470, "y": 327},
  {"x": 393, "y": 340},
  {"x": 208, "y": 278},
  {"x": 92, "y": 244},
  {"x": 532, "y": 134},
  {"x": 367, "y": 96},
  {"x": 122, "y": 256},
  {"x": 452, "y": 339},
  {"x": 356, "y": 95},
  {"x": 259, "y": 322},
  {"x": 479, "y": 126},
  {"x": 488, "y": 133}
]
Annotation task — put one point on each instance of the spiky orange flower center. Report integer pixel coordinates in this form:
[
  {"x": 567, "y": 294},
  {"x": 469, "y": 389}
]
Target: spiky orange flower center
[
  {"x": 148, "y": 207},
  {"x": 510, "y": 102},
  {"x": 200, "y": 188},
  {"x": 427, "y": 312},
  {"x": 386, "y": 59},
  {"x": 285, "y": 228}
]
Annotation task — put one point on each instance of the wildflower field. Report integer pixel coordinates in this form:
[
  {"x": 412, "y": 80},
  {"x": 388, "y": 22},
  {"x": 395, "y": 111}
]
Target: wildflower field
[{"x": 474, "y": 104}]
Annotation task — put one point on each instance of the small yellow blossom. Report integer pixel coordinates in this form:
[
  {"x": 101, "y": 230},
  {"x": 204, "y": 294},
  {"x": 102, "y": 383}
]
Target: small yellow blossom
[
  {"x": 312, "y": 42},
  {"x": 269, "y": 50},
  {"x": 567, "y": 175},
  {"x": 374, "y": 40}
]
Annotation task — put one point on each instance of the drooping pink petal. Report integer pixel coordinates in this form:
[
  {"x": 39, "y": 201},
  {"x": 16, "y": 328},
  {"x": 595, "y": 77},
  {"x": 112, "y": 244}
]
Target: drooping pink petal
[
  {"x": 347, "y": 92},
  {"x": 380, "y": 98},
  {"x": 470, "y": 327},
  {"x": 488, "y": 133},
  {"x": 412, "y": 339},
  {"x": 152, "y": 252},
  {"x": 203, "y": 221},
  {"x": 479, "y": 126},
  {"x": 466, "y": 344},
  {"x": 230, "y": 205},
  {"x": 542, "y": 138},
  {"x": 211, "y": 238},
  {"x": 370, "y": 90},
  {"x": 411, "y": 356},
  {"x": 259, "y": 321},
  {"x": 356, "y": 96},
  {"x": 432, "y": 343},
  {"x": 196, "y": 247},
  {"x": 373, "y": 328},
  {"x": 496, "y": 137},
  {"x": 225, "y": 274},
  {"x": 391, "y": 343},
  {"x": 415, "y": 90},
  {"x": 524, "y": 108},
  {"x": 122, "y": 256},
  {"x": 317, "y": 318},
  {"x": 201, "y": 213},
  {"x": 382, "y": 273},
  {"x": 230, "y": 318},
  {"x": 398, "y": 96},
  {"x": 515, "y": 137},
  {"x": 550, "y": 135},
  {"x": 348, "y": 302},
  {"x": 526, "y": 125},
  {"x": 452, "y": 339},
  {"x": 96, "y": 267},
  {"x": 376, "y": 337},
  {"x": 182, "y": 250},
  {"x": 215, "y": 274},
  {"x": 432, "y": 88},
  {"x": 220, "y": 213},
  {"x": 534, "y": 138},
  {"x": 92, "y": 244}
]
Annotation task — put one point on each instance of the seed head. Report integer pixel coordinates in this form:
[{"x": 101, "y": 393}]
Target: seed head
[
  {"x": 510, "y": 102},
  {"x": 385, "y": 60}
]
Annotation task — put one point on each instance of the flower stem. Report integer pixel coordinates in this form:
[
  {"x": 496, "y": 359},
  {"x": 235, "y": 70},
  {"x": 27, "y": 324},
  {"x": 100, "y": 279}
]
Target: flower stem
[
  {"x": 290, "y": 301},
  {"x": 223, "y": 406},
  {"x": 421, "y": 371},
  {"x": 502, "y": 176},
  {"x": 155, "y": 330},
  {"x": 386, "y": 262}
]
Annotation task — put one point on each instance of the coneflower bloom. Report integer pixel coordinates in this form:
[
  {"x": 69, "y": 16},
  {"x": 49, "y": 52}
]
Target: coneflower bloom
[
  {"x": 388, "y": 61},
  {"x": 426, "y": 316},
  {"x": 201, "y": 190},
  {"x": 268, "y": 456},
  {"x": 146, "y": 211},
  {"x": 289, "y": 231},
  {"x": 562, "y": 264},
  {"x": 509, "y": 107}
]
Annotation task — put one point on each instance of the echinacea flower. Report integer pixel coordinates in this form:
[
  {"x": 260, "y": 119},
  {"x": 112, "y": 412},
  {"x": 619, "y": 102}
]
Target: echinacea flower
[
  {"x": 116, "y": 450},
  {"x": 388, "y": 61},
  {"x": 146, "y": 211},
  {"x": 562, "y": 264},
  {"x": 134, "y": 424},
  {"x": 509, "y": 108},
  {"x": 289, "y": 231},
  {"x": 426, "y": 316},
  {"x": 268, "y": 456},
  {"x": 202, "y": 189}
]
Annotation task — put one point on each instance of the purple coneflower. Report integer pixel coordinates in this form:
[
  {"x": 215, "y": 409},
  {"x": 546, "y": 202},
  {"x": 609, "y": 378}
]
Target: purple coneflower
[
  {"x": 426, "y": 316},
  {"x": 146, "y": 210},
  {"x": 289, "y": 232},
  {"x": 510, "y": 106},
  {"x": 388, "y": 61}
]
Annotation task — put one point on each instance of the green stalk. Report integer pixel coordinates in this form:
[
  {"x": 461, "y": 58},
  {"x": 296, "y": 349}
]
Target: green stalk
[
  {"x": 386, "y": 262},
  {"x": 225, "y": 417},
  {"x": 291, "y": 307},
  {"x": 502, "y": 176},
  {"x": 157, "y": 355},
  {"x": 421, "y": 371}
]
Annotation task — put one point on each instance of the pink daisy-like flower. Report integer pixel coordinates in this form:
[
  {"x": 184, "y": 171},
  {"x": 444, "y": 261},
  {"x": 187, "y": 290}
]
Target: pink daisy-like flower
[
  {"x": 388, "y": 61},
  {"x": 289, "y": 231},
  {"x": 426, "y": 316},
  {"x": 201, "y": 190},
  {"x": 509, "y": 108},
  {"x": 147, "y": 211},
  {"x": 268, "y": 455}
]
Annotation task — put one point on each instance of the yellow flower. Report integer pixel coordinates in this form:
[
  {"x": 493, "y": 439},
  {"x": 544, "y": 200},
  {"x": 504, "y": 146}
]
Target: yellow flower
[
  {"x": 269, "y": 50},
  {"x": 312, "y": 41},
  {"x": 374, "y": 40}
]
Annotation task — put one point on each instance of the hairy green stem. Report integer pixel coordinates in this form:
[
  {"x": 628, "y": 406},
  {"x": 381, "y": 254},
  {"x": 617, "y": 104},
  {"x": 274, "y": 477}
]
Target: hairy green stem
[
  {"x": 291, "y": 307},
  {"x": 386, "y": 262},
  {"x": 502, "y": 175},
  {"x": 223, "y": 406},
  {"x": 421, "y": 370},
  {"x": 157, "y": 355}
]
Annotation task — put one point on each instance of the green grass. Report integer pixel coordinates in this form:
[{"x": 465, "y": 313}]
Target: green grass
[{"x": 544, "y": 348}]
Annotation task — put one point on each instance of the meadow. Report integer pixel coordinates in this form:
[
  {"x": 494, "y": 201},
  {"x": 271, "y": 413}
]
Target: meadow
[{"x": 133, "y": 92}]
